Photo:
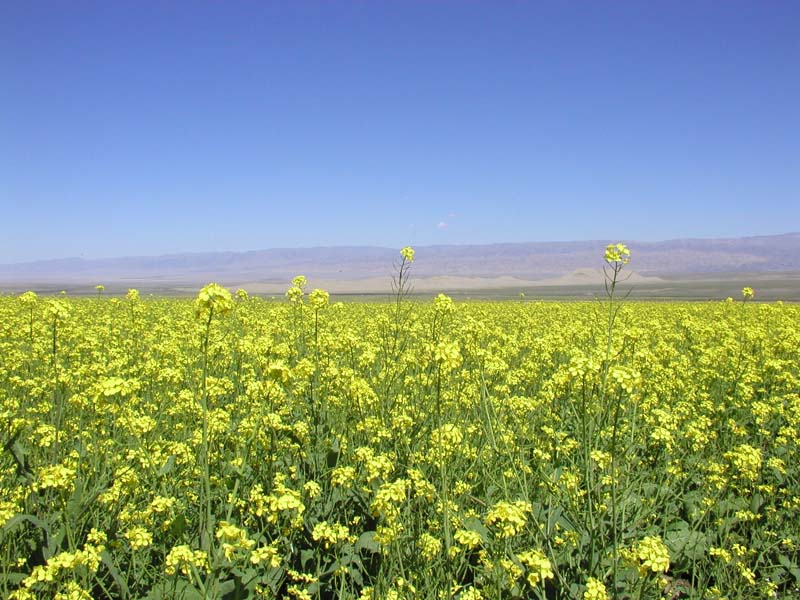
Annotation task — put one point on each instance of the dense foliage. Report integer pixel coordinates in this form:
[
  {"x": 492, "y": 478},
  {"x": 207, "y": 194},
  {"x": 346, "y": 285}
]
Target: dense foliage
[{"x": 233, "y": 447}]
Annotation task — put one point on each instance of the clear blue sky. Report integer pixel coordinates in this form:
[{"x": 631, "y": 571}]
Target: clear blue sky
[{"x": 156, "y": 127}]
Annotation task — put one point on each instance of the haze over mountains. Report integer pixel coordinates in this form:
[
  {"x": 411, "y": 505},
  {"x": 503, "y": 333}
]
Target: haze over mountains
[{"x": 477, "y": 266}]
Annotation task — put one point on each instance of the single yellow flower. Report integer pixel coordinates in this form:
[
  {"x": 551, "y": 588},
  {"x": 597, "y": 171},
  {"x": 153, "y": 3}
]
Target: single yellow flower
[
  {"x": 595, "y": 590},
  {"x": 213, "y": 297},
  {"x": 617, "y": 253},
  {"x": 318, "y": 299}
]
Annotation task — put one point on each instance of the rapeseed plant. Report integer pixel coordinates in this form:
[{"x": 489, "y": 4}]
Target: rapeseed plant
[{"x": 237, "y": 447}]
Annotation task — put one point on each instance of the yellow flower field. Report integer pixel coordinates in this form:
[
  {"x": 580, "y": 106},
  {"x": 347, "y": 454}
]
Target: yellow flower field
[{"x": 233, "y": 447}]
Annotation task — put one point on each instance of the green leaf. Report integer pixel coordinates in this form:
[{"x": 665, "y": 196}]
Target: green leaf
[
  {"x": 178, "y": 525},
  {"x": 684, "y": 542},
  {"x": 307, "y": 557},
  {"x": 15, "y": 578},
  {"x": 174, "y": 589},
  {"x": 168, "y": 466},
  {"x": 74, "y": 504},
  {"x": 108, "y": 562},
  {"x": 19, "y": 454},
  {"x": 367, "y": 542},
  {"x": 344, "y": 561},
  {"x": 274, "y": 578},
  {"x": 355, "y": 575},
  {"x": 54, "y": 543},
  {"x": 227, "y": 586},
  {"x": 790, "y": 566},
  {"x": 475, "y": 524},
  {"x": 35, "y": 521},
  {"x": 333, "y": 454}
]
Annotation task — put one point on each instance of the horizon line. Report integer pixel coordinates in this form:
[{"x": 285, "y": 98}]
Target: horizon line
[{"x": 196, "y": 253}]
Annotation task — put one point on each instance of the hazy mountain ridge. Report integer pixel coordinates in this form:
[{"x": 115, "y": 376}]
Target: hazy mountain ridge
[{"x": 531, "y": 261}]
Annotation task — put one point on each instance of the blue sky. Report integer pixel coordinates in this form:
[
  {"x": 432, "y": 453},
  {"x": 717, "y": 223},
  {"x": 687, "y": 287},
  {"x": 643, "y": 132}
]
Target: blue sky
[{"x": 132, "y": 128}]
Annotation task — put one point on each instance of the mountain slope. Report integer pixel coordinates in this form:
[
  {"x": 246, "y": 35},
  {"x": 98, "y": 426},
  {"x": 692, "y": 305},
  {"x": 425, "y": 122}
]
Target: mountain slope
[{"x": 529, "y": 261}]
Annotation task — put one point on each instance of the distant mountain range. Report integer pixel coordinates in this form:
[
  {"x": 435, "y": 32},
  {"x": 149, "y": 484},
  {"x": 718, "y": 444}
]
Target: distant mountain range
[{"x": 530, "y": 262}]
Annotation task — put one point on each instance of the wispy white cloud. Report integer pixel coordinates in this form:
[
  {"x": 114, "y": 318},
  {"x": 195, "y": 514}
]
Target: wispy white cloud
[{"x": 441, "y": 225}]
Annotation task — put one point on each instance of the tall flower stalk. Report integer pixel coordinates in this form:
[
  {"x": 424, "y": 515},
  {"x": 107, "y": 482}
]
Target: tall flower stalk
[
  {"x": 616, "y": 257},
  {"x": 317, "y": 301},
  {"x": 28, "y": 299},
  {"x": 59, "y": 312},
  {"x": 401, "y": 289},
  {"x": 212, "y": 299}
]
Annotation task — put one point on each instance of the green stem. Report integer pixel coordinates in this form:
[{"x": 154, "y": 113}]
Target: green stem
[{"x": 205, "y": 531}]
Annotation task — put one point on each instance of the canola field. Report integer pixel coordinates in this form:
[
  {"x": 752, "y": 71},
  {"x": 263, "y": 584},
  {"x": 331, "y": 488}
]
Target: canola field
[{"x": 235, "y": 447}]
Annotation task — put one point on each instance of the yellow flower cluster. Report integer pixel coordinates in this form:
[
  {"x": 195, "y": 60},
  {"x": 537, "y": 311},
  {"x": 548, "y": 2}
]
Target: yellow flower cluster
[
  {"x": 55, "y": 575},
  {"x": 28, "y": 298},
  {"x": 233, "y": 539},
  {"x": 537, "y": 567},
  {"x": 182, "y": 559},
  {"x": 296, "y": 292},
  {"x": 318, "y": 299},
  {"x": 617, "y": 253},
  {"x": 213, "y": 298},
  {"x": 468, "y": 538},
  {"x": 266, "y": 555},
  {"x": 343, "y": 476},
  {"x": 138, "y": 538},
  {"x": 7, "y": 510},
  {"x": 445, "y": 442},
  {"x": 430, "y": 546},
  {"x": 282, "y": 503},
  {"x": 330, "y": 535},
  {"x": 447, "y": 355},
  {"x": 746, "y": 460},
  {"x": 595, "y": 590},
  {"x": 56, "y": 477},
  {"x": 389, "y": 498},
  {"x": 58, "y": 309},
  {"x": 443, "y": 304},
  {"x": 509, "y": 517},
  {"x": 652, "y": 554}
]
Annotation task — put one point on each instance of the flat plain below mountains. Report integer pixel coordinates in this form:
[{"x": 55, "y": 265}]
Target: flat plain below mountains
[{"x": 674, "y": 269}]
